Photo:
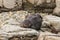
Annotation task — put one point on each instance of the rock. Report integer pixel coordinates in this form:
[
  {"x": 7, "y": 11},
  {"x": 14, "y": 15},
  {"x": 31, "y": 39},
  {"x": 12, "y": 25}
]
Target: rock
[
  {"x": 19, "y": 3},
  {"x": 46, "y": 29},
  {"x": 0, "y": 3},
  {"x": 48, "y": 36},
  {"x": 36, "y": 2},
  {"x": 58, "y": 3},
  {"x": 56, "y": 11},
  {"x": 17, "y": 29},
  {"x": 31, "y": 1},
  {"x": 52, "y": 20},
  {"x": 48, "y": 10},
  {"x": 8, "y": 28},
  {"x": 12, "y": 21},
  {"x": 9, "y": 4},
  {"x": 40, "y": 2},
  {"x": 15, "y": 17},
  {"x": 8, "y": 31}
]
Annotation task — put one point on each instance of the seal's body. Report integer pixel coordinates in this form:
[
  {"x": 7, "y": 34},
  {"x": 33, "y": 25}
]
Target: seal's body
[{"x": 33, "y": 21}]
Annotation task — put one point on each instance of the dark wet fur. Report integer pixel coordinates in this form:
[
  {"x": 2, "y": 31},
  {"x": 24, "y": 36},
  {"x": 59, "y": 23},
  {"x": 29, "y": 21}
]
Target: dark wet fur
[{"x": 35, "y": 21}]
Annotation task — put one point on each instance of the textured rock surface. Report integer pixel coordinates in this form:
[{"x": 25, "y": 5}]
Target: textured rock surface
[
  {"x": 53, "y": 20},
  {"x": 36, "y": 2},
  {"x": 0, "y": 3},
  {"x": 12, "y": 17},
  {"x": 48, "y": 36},
  {"x": 56, "y": 11},
  {"x": 58, "y": 3},
  {"x": 8, "y": 31},
  {"x": 10, "y": 21},
  {"x": 9, "y": 3}
]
